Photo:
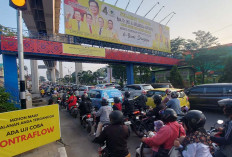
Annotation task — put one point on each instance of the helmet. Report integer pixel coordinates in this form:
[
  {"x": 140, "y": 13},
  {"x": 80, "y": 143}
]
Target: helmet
[
  {"x": 168, "y": 115},
  {"x": 194, "y": 120},
  {"x": 127, "y": 94},
  {"x": 71, "y": 93},
  {"x": 104, "y": 102},
  {"x": 116, "y": 100},
  {"x": 168, "y": 91},
  {"x": 174, "y": 94},
  {"x": 116, "y": 117},
  {"x": 157, "y": 99},
  {"x": 227, "y": 104}
]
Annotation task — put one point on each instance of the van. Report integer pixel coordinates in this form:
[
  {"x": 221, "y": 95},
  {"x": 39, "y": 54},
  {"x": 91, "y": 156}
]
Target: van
[{"x": 208, "y": 95}]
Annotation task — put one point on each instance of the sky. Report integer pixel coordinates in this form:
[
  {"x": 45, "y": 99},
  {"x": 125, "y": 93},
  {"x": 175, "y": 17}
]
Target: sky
[{"x": 191, "y": 15}]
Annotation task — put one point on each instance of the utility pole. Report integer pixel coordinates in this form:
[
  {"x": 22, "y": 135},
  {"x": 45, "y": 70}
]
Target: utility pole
[{"x": 21, "y": 60}]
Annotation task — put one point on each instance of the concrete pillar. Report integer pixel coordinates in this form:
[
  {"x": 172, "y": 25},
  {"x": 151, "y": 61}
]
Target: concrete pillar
[
  {"x": 61, "y": 69},
  {"x": 11, "y": 82},
  {"x": 130, "y": 73},
  {"x": 35, "y": 77},
  {"x": 53, "y": 74},
  {"x": 109, "y": 75},
  {"x": 78, "y": 68}
]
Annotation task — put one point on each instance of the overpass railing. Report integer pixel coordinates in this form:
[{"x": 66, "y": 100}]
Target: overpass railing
[{"x": 63, "y": 38}]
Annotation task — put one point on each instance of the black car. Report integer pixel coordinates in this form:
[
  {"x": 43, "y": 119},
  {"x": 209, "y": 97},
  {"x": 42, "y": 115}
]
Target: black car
[{"x": 207, "y": 95}]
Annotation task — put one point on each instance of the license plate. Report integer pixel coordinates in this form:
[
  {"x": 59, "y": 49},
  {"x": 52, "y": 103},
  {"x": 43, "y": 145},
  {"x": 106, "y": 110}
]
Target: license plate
[
  {"x": 137, "y": 117},
  {"x": 127, "y": 123},
  {"x": 90, "y": 119}
]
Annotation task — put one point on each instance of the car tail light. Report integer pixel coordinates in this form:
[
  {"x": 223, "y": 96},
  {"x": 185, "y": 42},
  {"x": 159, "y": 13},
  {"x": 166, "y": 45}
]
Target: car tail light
[
  {"x": 75, "y": 106},
  {"x": 136, "y": 112},
  {"x": 187, "y": 98},
  {"x": 88, "y": 115},
  {"x": 144, "y": 92},
  {"x": 105, "y": 87}
]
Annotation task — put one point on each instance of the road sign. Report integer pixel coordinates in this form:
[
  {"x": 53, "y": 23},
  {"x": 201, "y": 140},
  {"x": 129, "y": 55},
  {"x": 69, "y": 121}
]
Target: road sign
[{"x": 18, "y": 4}]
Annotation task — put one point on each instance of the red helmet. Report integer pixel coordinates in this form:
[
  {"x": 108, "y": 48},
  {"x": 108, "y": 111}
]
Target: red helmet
[{"x": 168, "y": 91}]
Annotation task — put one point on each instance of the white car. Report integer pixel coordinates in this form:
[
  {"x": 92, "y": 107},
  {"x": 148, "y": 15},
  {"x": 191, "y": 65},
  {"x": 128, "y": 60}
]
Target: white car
[{"x": 136, "y": 89}]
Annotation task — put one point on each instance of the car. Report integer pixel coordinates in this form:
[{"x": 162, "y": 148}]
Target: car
[
  {"x": 86, "y": 89},
  {"x": 136, "y": 89},
  {"x": 161, "y": 91},
  {"x": 108, "y": 85},
  {"x": 96, "y": 96},
  {"x": 207, "y": 95},
  {"x": 162, "y": 85}
]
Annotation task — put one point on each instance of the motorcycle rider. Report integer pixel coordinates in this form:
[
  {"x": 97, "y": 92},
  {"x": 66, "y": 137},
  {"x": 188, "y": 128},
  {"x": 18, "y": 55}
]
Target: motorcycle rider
[
  {"x": 167, "y": 134},
  {"x": 168, "y": 97},
  {"x": 129, "y": 107},
  {"x": 141, "y": 101},
  {"x": 42, "y": 92},
  {"x": 225, "y": 141},
  {"x": 72, "y": 100},
  {"x": 159, "y": 106},
  {"x": 117, "y": 104},
  {"x": 85, "y": 106},
  {"x": 103, "y": 113},
  {"x": 115, "y": 135},
  {"x": 197, "y": 143},
  {"x": 174, "y": 103}
]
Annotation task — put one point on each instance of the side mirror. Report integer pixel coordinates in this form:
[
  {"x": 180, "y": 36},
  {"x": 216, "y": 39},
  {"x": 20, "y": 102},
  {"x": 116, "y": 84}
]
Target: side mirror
[
  {"x": 220, "y": 122},
  {"x": 187, "y": 92}
]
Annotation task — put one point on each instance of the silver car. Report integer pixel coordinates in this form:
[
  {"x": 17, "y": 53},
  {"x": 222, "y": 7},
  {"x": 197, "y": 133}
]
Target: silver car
[{"x": 136, "y": 89}]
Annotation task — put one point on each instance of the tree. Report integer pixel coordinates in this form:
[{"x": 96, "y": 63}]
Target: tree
[
  {"x": 119, "y": 72},
  {"x": 142, "y": 74},
  {"x": 5, "y": 104},
  {"x": 177, "y": 45},
  {"x": 7, "y": 31},
  {"x": 227, "y": 72},
  {"x": 175, "y": 78},
  {"x": 42, "y": 79}
]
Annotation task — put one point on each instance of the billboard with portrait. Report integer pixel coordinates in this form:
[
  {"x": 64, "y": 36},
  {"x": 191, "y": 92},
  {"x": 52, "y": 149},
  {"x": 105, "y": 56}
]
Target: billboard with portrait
[{"x": 101, "y": 21}]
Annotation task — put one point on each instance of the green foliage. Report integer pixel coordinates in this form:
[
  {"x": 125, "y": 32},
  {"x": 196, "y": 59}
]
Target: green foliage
[
  {"x": 5, "y": 105},
  {"x": 177, "y": 45},
  {"x": 227, "y": 72},
  {"x": 142, "y": 74},
  {"x": 7, "y": 31},
  {"x": 175, "y": 78},
  {"x": 119, "y": 72}
]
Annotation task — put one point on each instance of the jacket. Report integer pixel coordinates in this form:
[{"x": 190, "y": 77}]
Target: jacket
[
  {"x": 129, "y": 107},
  {"x": 196, "y": 150},
  {"x": 166, "y": 135},
  {"x": 116, "y": 140},
  {"x": 117, "y": 106},
  {"x": 85, "y": 107},
  {"x": 104, "y": 113},
  {"x": 72, "y": 100}
]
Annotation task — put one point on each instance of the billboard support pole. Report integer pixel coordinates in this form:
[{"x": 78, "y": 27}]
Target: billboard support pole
[
  {"x": 166, "y": 17},
  {"x": 151, "y": 9},
  {"x": 158, "y": 12},
  {"x": 127, "y": 5},
  {"x": 170, "y": 19},
  {"x": 21, "y": 59},
  {"x": 139, "y": 6},
  {"x": 116, "y": 3}
]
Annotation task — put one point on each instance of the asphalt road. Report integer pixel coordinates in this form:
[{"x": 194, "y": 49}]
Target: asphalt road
[{"x": 79, "y": 142}]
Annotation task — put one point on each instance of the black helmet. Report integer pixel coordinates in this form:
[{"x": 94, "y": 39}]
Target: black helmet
[
  {"x": 194, "y": 120},
  {"x": 127, "y": 94},
  {"x": 227, "y": 104},
  {"x": 116, "y": 100},
  {"x": 71, "y": 93},
  {"x": 104, "y": 102},
  {"x": 168, "y": 115},
  {"x": 174, "y": 94},
  {"x": 83, "y": 97},
  {"x": 116, "y": 117},
  {"x": 157, "y": 99}
]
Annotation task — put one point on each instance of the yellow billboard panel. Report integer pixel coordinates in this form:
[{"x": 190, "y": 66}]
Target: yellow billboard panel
[
  {"x": 97, "y": 20},
  {"x": 24, "y": 130},
  {"x": 83, "y": 50}
]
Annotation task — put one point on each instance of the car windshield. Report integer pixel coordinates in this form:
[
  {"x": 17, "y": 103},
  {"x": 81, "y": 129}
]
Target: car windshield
[
  {"x": 147, "y": 87},
  {"x": 153, "y": 92},
  {"x": 112, "y": 94}
]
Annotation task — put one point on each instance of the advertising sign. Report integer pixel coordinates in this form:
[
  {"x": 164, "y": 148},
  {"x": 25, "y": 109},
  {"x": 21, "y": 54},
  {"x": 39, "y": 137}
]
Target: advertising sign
[
  {"x": 24, "y": 130},
  {"x": 83, "y": 50},
  {"x": 101, "y": 21}
]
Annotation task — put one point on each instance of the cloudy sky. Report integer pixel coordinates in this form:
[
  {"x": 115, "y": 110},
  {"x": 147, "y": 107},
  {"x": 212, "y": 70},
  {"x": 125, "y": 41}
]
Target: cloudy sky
[{"x": 191, "y": 15}]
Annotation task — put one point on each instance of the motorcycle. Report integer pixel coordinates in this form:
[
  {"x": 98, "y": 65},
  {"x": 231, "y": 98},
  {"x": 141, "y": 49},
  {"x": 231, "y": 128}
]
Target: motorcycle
[
  {"x": 74, "y": 110},
  {"x": 103, "y": 150},
  {"x": 144, "y": 150}
]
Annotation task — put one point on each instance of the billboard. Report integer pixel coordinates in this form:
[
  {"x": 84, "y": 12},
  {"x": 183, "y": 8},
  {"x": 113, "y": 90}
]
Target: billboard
[
  {"x": 101, "y": 21},
  {"x": 25, "y": 130}
]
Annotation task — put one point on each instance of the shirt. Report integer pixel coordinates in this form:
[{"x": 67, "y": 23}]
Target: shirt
[
  {"x": 196, "y": 150},
  {"x": 175, "y": 105},
  {"x": 104, "y": 113}
]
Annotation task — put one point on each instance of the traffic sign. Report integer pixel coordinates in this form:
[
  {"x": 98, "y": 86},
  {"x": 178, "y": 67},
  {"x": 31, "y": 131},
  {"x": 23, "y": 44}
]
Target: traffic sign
[{"x": 18, "y": 4}]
